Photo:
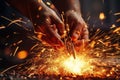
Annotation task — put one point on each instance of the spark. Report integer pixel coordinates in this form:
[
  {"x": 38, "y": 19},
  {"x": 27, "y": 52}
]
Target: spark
[
  {"x": 34, "y": 46},
  {"x": 96, "y": 34},
  {"x": 117, "y": 14},
  {"x": 2, "y": 27},
  {"x": 102, "y": 16},
  {"x": 83, "y": 65},
  {"x": 113, "y": 26},
  {"x": 59, "y": 63},
  {"x": 75, "y": 66},
  {"x": 8, "y": 69},
  {"x": 14, "y": 22},
  {"x": 19, "y": 41},
  {"x": 15, "y": 51},
  {"x": 116, "y": 30},
  {"x": 48, "y": 3},
  {"x": 43, "y": 50},
  {"x": 10, "y": 21},
  {"x": 92, "y": 44}
]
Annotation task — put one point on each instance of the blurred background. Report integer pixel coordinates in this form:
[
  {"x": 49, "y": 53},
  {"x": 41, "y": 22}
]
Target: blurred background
[
  {"x": 97, "y": 11},
  {"x": 15, "y": 39}
]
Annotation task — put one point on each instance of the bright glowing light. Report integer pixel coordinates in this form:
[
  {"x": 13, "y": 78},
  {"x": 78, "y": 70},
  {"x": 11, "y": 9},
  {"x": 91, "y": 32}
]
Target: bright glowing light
[
  {"x": 102, "y": 16},
  {"x": 48, "y": 3},
  {"x": 76, "y": 66},
  {"x": 22, "y": 54}
]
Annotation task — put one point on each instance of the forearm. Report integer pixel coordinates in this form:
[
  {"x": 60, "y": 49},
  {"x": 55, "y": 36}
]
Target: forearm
[{"x": 66, "y": 5}]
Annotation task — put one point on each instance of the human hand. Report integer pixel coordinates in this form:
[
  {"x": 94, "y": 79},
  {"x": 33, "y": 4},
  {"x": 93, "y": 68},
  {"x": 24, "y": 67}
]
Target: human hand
[
  {"x": 44, "y": 20},
  {"x": 50, "y": 25},
  {"x": 78, "y": 28}
]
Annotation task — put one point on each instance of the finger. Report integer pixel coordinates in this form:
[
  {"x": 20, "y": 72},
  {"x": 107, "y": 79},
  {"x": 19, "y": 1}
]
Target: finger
[
  {"x": 50, "y": 32},
  {"x": 51, "y": 36},
  {"x": 59, "y": 24},
  {"x": 74, "y": 26},
  {"x": 85, "y": 33},
  {"x": 83, "y": 39},
  {"x": 80, "y": 45},
  {"x": 75, "y": 34}
]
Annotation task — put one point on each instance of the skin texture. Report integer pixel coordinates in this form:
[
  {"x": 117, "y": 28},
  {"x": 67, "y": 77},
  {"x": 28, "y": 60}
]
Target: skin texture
[
  {"x": 78, "y": 27},
  {"x": 47, "y": 21}
]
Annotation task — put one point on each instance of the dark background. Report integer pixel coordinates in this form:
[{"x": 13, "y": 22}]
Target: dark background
[{"x": 94, "y": 7}]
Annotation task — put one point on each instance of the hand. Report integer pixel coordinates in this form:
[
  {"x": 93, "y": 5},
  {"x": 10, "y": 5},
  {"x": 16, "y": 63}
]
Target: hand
[
  {"x": 50, "y": 25},
  {"x": 44, "y": 19},
  {"x": 78, "y": 28}
]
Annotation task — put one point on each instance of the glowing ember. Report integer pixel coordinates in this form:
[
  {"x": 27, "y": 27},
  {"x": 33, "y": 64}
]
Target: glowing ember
[{"x": 22, "y": 54}]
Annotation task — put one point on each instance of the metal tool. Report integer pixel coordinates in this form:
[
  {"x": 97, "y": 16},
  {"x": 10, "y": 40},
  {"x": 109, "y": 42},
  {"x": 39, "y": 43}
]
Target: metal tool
[
  {"x": 69, "y": 43},
  {"x": 70, "y": 47}
]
